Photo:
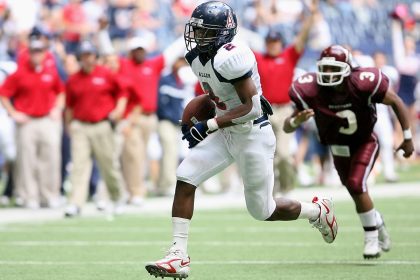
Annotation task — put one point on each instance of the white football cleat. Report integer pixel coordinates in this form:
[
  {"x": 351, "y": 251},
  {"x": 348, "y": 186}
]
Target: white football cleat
[
  {"x": 384, "y": 238},
  {"x": 372, "y": 249},
  {"x": 326, "y": 222},
  {"x": 176, "y": 264}
]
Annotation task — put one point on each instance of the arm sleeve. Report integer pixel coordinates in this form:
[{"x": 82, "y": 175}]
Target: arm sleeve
[
  {"x": 234, "y": 62},
  {"x": 9, "y": 88},
  {"x": 381, "y": 88},
  {"x": 297, "y": 104},
  {"x": 120, "y": 87},
  {"x": 58, "y": 87},
  {"x": 297, "y": 98},
  {"x": 371, "y": 84},
  {"x": 291, "y": 54},
  {"x": 158, "y": 63}
]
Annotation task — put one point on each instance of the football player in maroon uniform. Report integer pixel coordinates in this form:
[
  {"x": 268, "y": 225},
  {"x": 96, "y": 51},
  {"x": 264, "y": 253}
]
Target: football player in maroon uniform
[{"x": 341, "y": 97}]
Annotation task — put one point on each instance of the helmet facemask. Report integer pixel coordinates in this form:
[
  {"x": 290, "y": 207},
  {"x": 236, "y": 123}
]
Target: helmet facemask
[
  {"x": 331, "y": 72},
  {"x": 206, "y": 37}
]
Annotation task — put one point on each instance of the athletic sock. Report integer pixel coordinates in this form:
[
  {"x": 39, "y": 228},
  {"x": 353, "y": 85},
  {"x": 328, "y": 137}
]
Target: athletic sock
[
  {"x": 379, "y": 220},
  {"x": 309, "y": 211},
  {"x": 368, "y": 220},
  {"x": 180, "y": 228}
]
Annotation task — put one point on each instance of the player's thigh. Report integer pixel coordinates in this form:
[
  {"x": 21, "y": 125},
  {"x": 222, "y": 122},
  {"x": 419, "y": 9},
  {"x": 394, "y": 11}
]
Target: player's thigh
[
  {"x": 362, "y": 163},
  {"x": 255, "y": 157},
  {"x": 205, "y": 160}
]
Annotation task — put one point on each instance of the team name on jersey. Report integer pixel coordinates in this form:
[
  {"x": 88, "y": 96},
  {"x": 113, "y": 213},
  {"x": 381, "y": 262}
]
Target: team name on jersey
[
  {"x": 204, "y": 75},
  {"x": 348, "y": 105}
]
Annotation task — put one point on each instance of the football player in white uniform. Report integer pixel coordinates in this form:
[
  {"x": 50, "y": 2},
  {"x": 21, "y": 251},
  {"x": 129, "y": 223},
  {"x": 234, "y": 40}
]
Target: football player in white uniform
[{"x": 240, "y": 132}]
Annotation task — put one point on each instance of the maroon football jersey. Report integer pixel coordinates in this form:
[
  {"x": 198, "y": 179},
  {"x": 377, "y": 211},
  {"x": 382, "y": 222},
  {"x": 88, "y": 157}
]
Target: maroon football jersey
[{"x": 345, "y": 114}]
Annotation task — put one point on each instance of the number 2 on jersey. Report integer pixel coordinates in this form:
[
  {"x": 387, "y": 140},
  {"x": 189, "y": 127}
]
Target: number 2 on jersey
[{"x": 208, "y": 90}]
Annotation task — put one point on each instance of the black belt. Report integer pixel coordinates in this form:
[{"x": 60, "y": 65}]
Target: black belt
[
  {"x": 91, "y": 122},
  {"x": 261, "y": 119},
  {"x": 39, "y": 117}
]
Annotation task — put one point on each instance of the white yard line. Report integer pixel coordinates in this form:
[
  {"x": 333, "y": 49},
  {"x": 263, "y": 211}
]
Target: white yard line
[
  {"x": 117, "y": 243},
  {"x": 218, "y": 263},
  {"x": 195, "y": 229}
]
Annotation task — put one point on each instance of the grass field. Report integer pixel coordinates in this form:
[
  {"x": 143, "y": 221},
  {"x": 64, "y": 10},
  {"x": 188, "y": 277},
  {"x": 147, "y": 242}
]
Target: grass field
[{"x": 224, "y": 244}]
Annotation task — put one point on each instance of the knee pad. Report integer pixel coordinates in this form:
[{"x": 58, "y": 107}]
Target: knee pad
[
  {"x": 258, "y": 214},
  {"x": 259, "y": 209}
]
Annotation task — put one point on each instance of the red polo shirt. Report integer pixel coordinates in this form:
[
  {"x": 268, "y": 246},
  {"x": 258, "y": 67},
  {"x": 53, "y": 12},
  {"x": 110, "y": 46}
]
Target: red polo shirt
[
  {"x": 276, "y": 74},
  {"x": 146, "y": 77},
  {"x": 33, "y": 92},
  {"x": 92, "y": 96},
  {"x": 24, "y": 58},
  {"x": 133, "y": 98}
]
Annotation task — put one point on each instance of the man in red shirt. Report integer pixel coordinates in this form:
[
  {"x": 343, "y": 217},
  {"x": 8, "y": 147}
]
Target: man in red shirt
[
  {"x": 38, "y": 100},
  {"x": 95, "y": 101},
  {"x": 276, "y": 68},
  {"x": 144, "y": 74}
]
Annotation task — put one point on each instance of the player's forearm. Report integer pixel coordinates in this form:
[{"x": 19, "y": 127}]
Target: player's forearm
[
  {"x": 237, "y": 113},
  {"x": 399, "y": 109},
  {"x": 289, "y": 127}
]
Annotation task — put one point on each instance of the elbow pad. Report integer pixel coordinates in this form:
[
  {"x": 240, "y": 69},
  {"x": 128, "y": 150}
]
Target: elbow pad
[{"x": 254, "y": 113}]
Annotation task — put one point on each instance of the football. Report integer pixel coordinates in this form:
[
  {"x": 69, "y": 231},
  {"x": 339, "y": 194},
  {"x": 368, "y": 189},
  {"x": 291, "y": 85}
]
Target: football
[{"x": 200, "y": 108}]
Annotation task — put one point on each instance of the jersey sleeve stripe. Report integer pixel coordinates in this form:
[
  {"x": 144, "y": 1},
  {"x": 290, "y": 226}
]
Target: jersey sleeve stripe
[
  {"x": 376, "y": 88},
  {"x": 304, "y": 105}
]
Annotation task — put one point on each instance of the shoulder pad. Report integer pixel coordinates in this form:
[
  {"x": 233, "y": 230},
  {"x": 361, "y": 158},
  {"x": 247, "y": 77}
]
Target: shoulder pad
[
  {"x": 234, "y": 60},
  {"x": 366, "y": 79},
  {"x": 302, "y": 89}
]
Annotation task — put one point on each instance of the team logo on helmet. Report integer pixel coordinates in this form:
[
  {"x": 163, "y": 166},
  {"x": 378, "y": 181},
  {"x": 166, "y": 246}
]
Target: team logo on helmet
[{"x": 230, "y": 23}]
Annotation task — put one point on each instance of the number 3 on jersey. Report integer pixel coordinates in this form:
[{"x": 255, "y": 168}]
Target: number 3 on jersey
[
  {"x": 208, "y": 90},
  {"x": 351, "y": 119}
]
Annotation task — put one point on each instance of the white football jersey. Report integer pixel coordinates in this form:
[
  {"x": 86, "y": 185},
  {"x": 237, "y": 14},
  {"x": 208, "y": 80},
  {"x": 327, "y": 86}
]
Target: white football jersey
[{"x": 233, "y": 61}]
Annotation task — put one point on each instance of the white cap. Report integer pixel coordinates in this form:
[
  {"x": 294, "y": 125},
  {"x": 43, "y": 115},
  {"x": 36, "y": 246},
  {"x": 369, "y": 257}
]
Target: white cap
[
  {"x": 36, "y": 45},
  {"x": 138, "y": 42}
]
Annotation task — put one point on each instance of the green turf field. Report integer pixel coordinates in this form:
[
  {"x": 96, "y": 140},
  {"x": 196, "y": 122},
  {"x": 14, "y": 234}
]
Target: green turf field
[{"x": 223, "y": 245}]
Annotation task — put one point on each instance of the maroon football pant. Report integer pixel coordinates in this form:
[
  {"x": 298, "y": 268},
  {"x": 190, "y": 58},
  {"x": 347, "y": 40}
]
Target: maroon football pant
[{"x": 354, "y": 170}]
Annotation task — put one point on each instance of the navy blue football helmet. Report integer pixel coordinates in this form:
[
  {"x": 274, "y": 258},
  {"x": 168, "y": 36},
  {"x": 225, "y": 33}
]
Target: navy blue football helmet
[{"x": 212, "y": 25}]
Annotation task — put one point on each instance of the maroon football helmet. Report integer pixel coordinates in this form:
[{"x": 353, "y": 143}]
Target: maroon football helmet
[{"x": 333, "y": 66}]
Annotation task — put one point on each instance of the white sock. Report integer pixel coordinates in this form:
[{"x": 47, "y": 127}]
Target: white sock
[
  {"x": 379, "y": 220},
  {"x": 180, "y": 229},
  {"x": 309, "y": 211},
  {"x": 368, "y": 220}
]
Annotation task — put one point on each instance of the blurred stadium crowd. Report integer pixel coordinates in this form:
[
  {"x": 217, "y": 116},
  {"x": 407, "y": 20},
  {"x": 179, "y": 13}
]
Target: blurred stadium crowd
[{"x": 63, "y": 139}]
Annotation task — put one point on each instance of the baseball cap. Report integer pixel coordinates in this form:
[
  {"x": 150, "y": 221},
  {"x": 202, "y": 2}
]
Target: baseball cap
[
  {"x": 38, "y": 31},
  {"x": 273, "y": 35},
  {"x": 86, "y": 47},
  {"x": 36, "y": 44},
  {"x": 137, "y": 43}
]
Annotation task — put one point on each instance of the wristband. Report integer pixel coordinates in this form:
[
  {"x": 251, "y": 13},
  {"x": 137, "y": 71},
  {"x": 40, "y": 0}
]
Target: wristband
[
  {"x": 212, "y": 124},
  {"x": 293, "y": 123},
  {"x": 407, "y": 134}
]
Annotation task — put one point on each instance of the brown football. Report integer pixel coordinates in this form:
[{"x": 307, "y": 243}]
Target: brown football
[{"x": 200, "y": 108}]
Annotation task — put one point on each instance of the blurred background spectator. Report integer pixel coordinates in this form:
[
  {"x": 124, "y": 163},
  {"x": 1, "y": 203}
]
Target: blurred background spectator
[{"x": 137, "y": 40}]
